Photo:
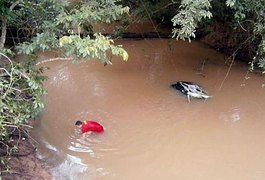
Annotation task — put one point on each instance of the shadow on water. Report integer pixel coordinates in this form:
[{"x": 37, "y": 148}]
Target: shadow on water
[{"x": 152, "y": 132}]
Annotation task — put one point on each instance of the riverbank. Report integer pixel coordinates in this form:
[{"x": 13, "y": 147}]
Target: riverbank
[{"x": 24, "y": 163}]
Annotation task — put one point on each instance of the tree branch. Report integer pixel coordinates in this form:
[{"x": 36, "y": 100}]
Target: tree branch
[
  {"x": 54, "y": 59},
  {"x": 14, "y": 5},
  {"x": 4, "y": 25},
  {"x": 164, "y": 7}
]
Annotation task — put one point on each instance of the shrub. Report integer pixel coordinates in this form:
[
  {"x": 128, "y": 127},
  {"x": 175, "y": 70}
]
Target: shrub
[{"x": 21, "y": 91}]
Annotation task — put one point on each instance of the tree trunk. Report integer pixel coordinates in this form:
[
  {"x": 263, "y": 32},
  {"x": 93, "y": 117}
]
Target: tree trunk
[
  {"x": 4, "y": 25},
  {"x": 3, "y": 34}
]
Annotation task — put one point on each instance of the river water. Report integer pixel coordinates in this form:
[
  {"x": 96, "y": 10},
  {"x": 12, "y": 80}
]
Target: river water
[{"x": 152, "y": 132}]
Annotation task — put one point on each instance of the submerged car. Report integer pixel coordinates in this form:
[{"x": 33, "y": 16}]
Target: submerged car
[{"x": 190, "y": 89}]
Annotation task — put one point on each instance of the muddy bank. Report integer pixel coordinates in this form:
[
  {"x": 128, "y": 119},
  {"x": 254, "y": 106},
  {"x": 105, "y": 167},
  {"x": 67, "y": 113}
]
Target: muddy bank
[
  {"x": 25, "y": 165},
  {"x": 230, "y": 41}
]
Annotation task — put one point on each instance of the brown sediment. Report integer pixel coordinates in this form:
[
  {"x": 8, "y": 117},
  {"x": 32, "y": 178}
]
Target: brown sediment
[{"x": 23, "y": 163}]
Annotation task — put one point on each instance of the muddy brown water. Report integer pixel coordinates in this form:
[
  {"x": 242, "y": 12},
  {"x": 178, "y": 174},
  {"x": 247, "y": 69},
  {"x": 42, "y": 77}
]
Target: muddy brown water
[{"x": 152, "y": 132}]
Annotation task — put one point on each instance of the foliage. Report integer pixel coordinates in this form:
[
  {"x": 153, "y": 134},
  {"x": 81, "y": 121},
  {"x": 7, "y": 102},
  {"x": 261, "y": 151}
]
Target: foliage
[
  {"x": 74, "y": 26},
  {"x": 25, "y": 18},
  {"x": 21, "y": 91},
  {"x": 159, "y": 11},
  {"x": 7, "y": 51},
  {"x": 246, "y": 15},
  {"x": 43, "y": 23},
  {"x": 91, "y": 12},
  {"x": 243, "y": 22},
  {"x": 190, "y": 14},
  {"x": 87, "y": 47},
  {"x": 250, "y": 16}
]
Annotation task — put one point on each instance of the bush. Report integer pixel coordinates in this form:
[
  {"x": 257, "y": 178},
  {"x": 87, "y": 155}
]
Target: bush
[{"x": 21, "y": 91}]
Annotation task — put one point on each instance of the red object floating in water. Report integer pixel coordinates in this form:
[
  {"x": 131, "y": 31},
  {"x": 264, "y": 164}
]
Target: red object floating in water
[{"x": 91, "y": 126}]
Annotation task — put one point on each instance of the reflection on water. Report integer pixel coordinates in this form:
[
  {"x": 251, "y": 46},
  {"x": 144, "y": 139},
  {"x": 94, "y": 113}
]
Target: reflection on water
[
  {"x": 232, "y": 115},
  {"x": 152, "y": 132},
  {"x": 70, "y": 168},
  {"x": 84, "y": 144},
  {"x": 61, "y": 75}
]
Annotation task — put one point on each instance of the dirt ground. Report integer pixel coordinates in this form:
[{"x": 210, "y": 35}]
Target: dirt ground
[{"x": 25, "y": 165}]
